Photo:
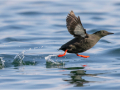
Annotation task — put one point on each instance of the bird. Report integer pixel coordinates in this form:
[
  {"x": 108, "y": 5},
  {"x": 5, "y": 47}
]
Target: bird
[{"x": 81, "y": 41}]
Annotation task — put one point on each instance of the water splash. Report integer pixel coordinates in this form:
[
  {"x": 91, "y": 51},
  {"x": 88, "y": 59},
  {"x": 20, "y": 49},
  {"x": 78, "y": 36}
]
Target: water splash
[
  {"x": 49, "y": 61},
  {"x": 18, "y": 59},
  {"x": 1, "y": 62}
]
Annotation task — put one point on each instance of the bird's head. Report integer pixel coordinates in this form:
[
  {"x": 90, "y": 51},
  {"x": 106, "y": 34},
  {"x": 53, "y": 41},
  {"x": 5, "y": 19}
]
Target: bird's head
[{"x": 102, "y": 33}]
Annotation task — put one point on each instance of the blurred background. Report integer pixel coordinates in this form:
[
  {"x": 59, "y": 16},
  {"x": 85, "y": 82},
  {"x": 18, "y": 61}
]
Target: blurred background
[{"x": 32, "y": 31}]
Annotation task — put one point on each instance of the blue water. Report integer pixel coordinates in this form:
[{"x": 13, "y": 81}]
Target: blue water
[{"x": 32, "y": 31}]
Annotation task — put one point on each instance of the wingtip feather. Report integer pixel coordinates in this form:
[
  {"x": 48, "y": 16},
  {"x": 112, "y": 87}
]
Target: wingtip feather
[{"x": 72, "y": 13}]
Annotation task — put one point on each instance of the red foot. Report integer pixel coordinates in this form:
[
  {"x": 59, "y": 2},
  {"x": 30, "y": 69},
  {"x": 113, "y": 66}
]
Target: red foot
[
  {"x": 62, "y": 54},
  {"x": 83, "y": 56},
  {"x": 84, "y": 65}
]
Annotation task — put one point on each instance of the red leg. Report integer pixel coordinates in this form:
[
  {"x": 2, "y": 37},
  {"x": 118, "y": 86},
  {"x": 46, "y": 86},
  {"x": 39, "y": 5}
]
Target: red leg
[
  {"x": 62, "y": 54},
  {"x": 82, "y": 56}
]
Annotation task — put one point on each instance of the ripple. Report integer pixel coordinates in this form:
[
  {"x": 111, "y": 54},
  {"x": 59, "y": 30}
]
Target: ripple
[
  {"x": 88, "y": 25},
  {"x": 97, "y": 18},
  {"x": 114, "y": 52},
  {"x": 117, "y": 4},
  {"x": 15, "y": 27},
  {"x": 105, "y": 41},
  {"x": 30, "y": 13},
  {"x": 93, "y": 13},
  {"x": 57, "y": 25},
  {"x": 9, "y": 39}
]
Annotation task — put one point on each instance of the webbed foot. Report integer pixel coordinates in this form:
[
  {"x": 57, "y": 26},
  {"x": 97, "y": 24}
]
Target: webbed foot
[{"x": 61, "y": 55}]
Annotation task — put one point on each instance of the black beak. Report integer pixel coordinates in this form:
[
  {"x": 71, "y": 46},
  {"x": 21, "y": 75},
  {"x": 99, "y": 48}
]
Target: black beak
[{"x": 110, "y": 33}]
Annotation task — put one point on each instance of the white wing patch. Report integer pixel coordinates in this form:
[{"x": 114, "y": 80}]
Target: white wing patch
[{"x": 79, "y": 30}]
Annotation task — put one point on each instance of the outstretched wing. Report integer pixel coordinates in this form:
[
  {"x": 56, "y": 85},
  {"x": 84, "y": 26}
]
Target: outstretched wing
[{"x": 74, "y": 25}]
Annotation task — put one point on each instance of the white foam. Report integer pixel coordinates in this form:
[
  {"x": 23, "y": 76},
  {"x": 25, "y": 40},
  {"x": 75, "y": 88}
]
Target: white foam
[
  {"x": 19, "y": 58},
  {"x": 2, "y": 62},
  {"x": 49, "y": 61}
]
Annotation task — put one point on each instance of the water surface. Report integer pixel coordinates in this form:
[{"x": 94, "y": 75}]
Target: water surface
[{"x": 31, "y": 30}]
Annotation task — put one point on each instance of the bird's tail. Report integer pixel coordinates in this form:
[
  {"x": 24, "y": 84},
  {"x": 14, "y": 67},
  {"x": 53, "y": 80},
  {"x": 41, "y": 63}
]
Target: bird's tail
[{"x": 59, "y": 49}]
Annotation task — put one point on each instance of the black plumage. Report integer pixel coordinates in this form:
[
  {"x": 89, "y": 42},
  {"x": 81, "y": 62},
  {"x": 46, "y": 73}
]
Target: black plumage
[{"x": 81, "y": 41}]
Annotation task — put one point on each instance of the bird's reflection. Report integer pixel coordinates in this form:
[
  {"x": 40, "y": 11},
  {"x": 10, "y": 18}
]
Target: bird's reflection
[
  {"x": 55, "y": 66},
  {"x": 76, "y": 78}
]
